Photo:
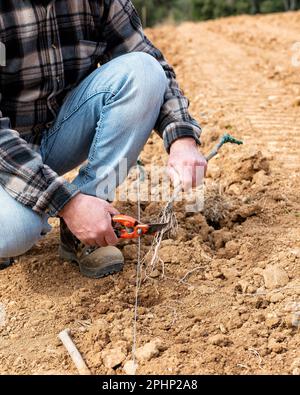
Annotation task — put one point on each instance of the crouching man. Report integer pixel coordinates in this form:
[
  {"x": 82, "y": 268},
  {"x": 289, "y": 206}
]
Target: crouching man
[{"x": 59, "y": 110}]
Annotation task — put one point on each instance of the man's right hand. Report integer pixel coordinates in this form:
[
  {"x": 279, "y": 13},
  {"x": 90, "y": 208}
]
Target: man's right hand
[{"x": 89, "y": 219}]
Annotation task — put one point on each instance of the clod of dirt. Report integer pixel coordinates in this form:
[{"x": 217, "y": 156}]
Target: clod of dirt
[
  {"x": 275, "y": 297},
  {"x": 197, "y": 225},
  {"x": 276, "y": 346},
  {"x": 130, "y": 368},
  {"x": 229, "y": 273},
  {"x": 113, "y": 358},
  {"x": 220, "y": 340},
  {"x": 169, "y": 254},
  {"x": 261, "y": 178},
  {"x": 245, "y": 212},
  {"x": 272, "y": 322},
  {"x": 231, "y": 250},
  {"x": 221, "y": 237},
  {"x": 155, "y": 273},
  {"x": 246, "y": 166},
  {"x": 149, "y": 350},
  {"x": 235, "y": 189},
  {"x": 249, "y": 165},
  {"x": 275, "y": 277},
  {"x": 99, "y": 331},
  {"x": 130, "y": 251}
]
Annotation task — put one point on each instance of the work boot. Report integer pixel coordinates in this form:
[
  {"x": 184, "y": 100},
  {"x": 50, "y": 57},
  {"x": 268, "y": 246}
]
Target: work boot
[
  {"x": 5, "y": 263},
  {"x": 96, "y": 262}
]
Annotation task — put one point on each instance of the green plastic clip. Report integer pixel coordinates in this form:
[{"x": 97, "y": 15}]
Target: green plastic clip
[{"x": 227, "y": 138}]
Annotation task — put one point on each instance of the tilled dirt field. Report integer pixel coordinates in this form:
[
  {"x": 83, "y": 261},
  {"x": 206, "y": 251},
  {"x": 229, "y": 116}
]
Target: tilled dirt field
[{"x": 229, "y": 300}]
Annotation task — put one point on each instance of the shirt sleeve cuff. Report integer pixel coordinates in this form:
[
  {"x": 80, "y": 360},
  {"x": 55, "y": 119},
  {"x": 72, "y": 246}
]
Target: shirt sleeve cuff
[
  {"x": 62, "y": 195},
  {"x": 177, "y": 130}
]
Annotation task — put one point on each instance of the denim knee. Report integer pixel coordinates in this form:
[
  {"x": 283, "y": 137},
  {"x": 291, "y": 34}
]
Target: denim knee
[
  {"x": 16, "y": 241},
  {"x": 19, "y": 233},
  {"x": 147, "y": 73}
]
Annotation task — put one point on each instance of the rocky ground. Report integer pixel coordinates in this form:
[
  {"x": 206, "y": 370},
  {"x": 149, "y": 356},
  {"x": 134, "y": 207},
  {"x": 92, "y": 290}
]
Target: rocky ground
[{"x": 228, "y": 300}]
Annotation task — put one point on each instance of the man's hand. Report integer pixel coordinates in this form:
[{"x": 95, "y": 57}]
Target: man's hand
[
  {"x": 89, "y": 219},
  {"x": 186, "y": 164}
]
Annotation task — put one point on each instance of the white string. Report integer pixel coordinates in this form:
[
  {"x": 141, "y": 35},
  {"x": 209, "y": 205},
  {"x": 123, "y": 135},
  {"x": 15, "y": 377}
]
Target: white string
[
  {"x": 168, "y": 209},
  {"x": 138, "y": 273}
]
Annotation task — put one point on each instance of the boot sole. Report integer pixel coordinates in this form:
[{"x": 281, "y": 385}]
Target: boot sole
[{"x": 114, "y": 268}]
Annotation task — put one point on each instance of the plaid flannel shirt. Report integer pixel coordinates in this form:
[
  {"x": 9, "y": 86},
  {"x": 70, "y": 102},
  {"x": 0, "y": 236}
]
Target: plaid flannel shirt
[{"x": 50, "y": 47}]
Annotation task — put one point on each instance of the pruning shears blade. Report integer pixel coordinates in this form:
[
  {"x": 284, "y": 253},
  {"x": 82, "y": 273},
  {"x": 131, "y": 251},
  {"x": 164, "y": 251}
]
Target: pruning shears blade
[
  {"x": 155, "y": 228},
  {"x": 127, "y": 227}
]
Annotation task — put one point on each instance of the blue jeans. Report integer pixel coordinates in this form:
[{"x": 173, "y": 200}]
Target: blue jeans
[{"x": 107, "y": 118}]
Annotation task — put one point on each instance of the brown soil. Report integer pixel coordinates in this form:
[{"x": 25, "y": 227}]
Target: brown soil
[{"x": 217, "y": 310}]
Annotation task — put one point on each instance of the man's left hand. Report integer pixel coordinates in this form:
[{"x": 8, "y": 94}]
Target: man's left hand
[{"x": 186, "y": 164}]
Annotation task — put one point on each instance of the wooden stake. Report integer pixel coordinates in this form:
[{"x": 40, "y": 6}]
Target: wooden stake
[{"x": 66, "y": 340}]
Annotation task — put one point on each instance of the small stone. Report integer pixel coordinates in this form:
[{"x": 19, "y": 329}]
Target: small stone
[
  {"x": 113, "y": 358},
  {"x": 251, "y": 289},
  {"x": 295, "y": 252},
  {"x": 288, "y": 320},
  {"x": 275, "y": 277},
  {"x": 232, "y": 249},
  {"x": 276, "y": 297},
  {"x": 229, "y": 273},
  {"x": 195, "y": 331},
  {"x": 296, "y": 319},
  {"x": 242, "y": 285},
  {"x": 272, "y": 322},
  {"x": 296, "y": 372},
  {"x": 156, "y": 273},
  {"x": 102, "y": 308},
  {"x": 209, "y": 276},
  {"x": 261, "y": 291},
  {"x": 272, "y": 98},
  {"x": 223, "y": 329},
  {"x": 261, "y": 179},
  {"x": 245, "y": 317},
  {"x": 259, "y": 317},
  {"x": 235, "y": 323},
  {"x": 296, "y": 363},
  {"x": 220, "y": 340},
  {"x": 149, "y": 350},
  {"x": 130, "y": 368},
  {"x": 234, "y": 189},
  {"x": 218, "y": 274}
]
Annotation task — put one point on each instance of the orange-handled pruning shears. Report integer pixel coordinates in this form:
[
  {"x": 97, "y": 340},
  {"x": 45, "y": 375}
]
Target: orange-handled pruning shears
[{"x": 130, "y": 228}]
